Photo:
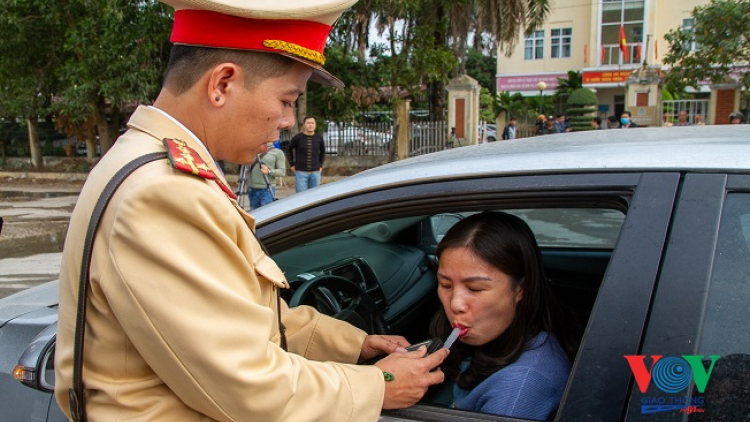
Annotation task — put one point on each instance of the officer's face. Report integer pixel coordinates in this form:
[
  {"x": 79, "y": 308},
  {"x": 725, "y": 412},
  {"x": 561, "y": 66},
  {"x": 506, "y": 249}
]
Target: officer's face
[{"x": 258, "y": 114}]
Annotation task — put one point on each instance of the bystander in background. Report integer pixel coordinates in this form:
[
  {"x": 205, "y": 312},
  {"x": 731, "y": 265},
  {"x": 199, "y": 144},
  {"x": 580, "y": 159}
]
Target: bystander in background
[
  {"x": 682, "y": 119},
  {"x": 268, "y": 165},
  {"x": 612, "y": 122},
  {"x": 307, "y": 152},
  {"x": 509, "y": 132}
]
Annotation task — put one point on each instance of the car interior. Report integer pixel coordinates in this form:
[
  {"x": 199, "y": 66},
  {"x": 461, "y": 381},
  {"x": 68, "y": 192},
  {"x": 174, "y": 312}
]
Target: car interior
[{"x": 392, "y": 264}]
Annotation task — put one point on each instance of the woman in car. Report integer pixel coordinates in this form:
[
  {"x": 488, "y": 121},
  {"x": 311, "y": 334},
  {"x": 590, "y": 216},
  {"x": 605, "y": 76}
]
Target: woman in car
[{"x": 514, "y": 354}]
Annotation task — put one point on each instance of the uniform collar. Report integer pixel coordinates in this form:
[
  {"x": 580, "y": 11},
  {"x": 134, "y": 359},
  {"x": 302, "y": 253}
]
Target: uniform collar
[{"x": 159, "y": 124}]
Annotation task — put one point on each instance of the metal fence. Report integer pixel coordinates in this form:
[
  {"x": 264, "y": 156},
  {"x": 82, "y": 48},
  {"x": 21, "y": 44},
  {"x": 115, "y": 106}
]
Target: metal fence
[
  {"x": 357, "y": 139},
  {"x": 426, "y": 137},
  {"x": 693, "y": 107}
]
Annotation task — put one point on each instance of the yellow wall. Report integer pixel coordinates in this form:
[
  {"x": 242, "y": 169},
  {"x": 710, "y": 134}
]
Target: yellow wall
[{"x": 583, "y": 16}]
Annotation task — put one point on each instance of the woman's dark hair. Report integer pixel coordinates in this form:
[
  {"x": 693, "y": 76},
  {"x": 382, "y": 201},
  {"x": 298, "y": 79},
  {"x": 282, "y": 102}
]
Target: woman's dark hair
[{"x": 505, "y": 242}]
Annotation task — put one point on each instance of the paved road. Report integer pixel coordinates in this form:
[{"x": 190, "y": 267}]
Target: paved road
[{"x": 36, "y": 214}]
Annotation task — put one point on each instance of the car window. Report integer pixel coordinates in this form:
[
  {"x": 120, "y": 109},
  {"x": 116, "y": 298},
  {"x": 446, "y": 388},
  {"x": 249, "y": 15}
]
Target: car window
[
  {"x": 725, "y": 325},
  {"x": 594, "y": 228},
  {"x": 724, "y": 341}
]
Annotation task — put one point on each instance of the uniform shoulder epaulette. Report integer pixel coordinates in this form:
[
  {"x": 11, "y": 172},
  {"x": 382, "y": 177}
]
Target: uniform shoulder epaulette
[{"x": 186, "y": 159}]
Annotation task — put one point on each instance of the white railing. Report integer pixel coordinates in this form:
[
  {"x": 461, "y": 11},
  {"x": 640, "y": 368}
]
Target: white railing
[
  {"x": 693, "y": 108},
  {"x": 613, "y": 55}
]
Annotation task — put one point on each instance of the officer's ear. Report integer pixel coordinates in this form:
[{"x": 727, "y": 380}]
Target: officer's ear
[{"x": 224, "y": 81}]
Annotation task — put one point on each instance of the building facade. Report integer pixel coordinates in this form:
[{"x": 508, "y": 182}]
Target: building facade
[{"x": 586, "y": 36}]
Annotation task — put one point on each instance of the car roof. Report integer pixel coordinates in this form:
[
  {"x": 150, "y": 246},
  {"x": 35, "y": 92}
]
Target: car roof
[{"x": 695, "y": 148}]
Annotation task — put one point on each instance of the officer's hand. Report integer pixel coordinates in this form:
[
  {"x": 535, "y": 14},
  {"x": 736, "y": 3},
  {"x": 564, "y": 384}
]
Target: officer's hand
[
  {"x": 377, "y": 345},
  {"x": 264, "y": 169},
  {"x": 411, "y": 376}
]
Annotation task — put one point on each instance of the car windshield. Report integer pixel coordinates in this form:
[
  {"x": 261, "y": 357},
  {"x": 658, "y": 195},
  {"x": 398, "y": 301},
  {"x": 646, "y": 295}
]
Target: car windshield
[{"x": 584, "y": 228}]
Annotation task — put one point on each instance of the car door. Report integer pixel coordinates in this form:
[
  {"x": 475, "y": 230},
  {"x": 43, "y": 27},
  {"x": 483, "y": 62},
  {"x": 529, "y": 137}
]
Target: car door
[
  {"x": 598, "y": 385},
  {"x": 695, "y": 361}
]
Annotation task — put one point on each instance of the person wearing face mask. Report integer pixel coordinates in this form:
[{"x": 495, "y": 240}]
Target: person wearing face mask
[
  {"x": 625, "y": 122},
  {"x": 514, "y": 354}
]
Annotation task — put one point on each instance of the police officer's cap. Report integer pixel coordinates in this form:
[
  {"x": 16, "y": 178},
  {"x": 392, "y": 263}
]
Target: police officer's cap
[{"x": 297, "y": 29}]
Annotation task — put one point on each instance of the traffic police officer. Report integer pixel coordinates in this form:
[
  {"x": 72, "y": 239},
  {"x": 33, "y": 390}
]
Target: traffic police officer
[{"x": 182, "y": 310}]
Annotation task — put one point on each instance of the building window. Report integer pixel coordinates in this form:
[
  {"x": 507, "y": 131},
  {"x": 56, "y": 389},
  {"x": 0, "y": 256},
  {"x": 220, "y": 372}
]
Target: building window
[
  {"x": 561, "y": 40},
  {"x": 534, "y": 46},
  {"x": 688, "y": 25},
  {"x": 627, "y": 14}
]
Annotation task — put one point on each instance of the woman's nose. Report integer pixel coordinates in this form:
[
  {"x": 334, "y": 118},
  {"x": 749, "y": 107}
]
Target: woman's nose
[{"x": 457, "y": 303}]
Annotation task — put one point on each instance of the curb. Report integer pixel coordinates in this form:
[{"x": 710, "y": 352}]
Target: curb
[
  {"x": 38, "y": 175},
  {"x": 81, "y": 177}
]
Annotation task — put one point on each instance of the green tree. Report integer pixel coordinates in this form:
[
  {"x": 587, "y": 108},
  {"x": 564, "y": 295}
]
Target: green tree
[
  {"x": 510, "y": 104},
  {"x": 582, "y": 105},
  {"x": 719, "y": 39},
  {"x": 30, "y": 52},
  {"x": 486, "y": 106},
  {"x": 116, "y": 51},
  {"x": 427, "y": 40},
  {"x": 565, "y": 87},
  {"x": 483, "y": 68}
]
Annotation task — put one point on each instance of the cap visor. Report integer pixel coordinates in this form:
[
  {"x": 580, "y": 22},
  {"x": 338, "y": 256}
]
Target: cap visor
[{"x": 319, "y": 75}]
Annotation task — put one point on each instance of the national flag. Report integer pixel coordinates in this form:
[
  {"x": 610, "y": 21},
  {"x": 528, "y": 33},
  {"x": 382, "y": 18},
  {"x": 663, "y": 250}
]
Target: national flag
[
  {"x": 585, "y": 53},
  {"x": 604, "y": 55},
  {"x": 624, "y": 44},
  {"x": 638, "y": 52},
  {"x": 656, "y": 51}
]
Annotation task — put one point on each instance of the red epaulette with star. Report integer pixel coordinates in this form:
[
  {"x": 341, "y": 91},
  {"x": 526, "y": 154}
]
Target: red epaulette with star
[{"x": 186, "y": 159}]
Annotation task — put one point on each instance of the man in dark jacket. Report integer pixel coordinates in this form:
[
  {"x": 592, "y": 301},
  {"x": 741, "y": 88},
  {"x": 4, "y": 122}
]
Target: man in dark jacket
[
  {"x": 306, "y": 155},
  {"x": 510, "y": 129}
]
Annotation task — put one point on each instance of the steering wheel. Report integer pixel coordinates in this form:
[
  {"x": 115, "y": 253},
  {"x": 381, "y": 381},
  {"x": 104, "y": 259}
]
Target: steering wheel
[{"x": 361, "y": 311}]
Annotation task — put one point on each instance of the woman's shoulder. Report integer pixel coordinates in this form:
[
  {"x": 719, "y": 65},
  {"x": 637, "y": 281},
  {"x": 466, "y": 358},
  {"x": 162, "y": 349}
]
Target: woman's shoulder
[{"x": 544, "y": 356}]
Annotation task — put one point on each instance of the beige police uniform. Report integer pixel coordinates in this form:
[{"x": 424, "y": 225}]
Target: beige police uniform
[{"x": 181, "y": 322}]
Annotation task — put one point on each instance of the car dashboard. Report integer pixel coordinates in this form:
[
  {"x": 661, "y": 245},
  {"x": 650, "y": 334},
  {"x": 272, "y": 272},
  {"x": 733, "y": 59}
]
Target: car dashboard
[{"x": 397, "y": 277}]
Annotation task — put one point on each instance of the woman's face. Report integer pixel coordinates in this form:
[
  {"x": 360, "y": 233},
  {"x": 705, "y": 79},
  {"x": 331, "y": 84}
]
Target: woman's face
[{"x": 476, "y": 296}]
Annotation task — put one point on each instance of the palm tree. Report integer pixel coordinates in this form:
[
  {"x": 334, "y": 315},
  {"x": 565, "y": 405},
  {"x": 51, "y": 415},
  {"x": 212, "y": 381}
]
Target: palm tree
[
  {"x": 567, "y": 86},
  {"x": 511, "y": 105}
]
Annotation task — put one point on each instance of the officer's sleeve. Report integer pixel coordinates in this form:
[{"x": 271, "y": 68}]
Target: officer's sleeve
[
  {"x": 320, "y": 337},
  {"x": 181, "y": 278}
]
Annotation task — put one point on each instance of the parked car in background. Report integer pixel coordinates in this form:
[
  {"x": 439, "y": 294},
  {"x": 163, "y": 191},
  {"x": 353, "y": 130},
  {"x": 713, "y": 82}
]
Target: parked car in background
[
  {"x": 645, "y": 237},
  {"x": 352, "y": 139},
  {"x": 487, "y": 132}
]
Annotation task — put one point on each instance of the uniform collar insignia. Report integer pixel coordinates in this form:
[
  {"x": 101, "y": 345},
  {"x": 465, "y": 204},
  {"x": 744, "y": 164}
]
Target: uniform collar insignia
[{"x": 186, "y": 159}]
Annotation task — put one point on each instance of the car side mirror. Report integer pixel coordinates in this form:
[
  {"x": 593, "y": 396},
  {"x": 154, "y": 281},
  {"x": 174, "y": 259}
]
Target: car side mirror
[{"x": 36, "y": 367}]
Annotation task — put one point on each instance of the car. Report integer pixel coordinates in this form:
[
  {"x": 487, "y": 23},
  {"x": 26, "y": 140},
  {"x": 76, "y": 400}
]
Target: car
[
  {"x": 645, "y": 236},
  {"x": 355, "y": 140},
  {"x": 487, "y": 132}
]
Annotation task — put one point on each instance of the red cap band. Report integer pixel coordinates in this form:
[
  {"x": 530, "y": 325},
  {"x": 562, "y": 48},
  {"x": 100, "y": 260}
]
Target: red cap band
[{"x": 213, "y": 29}]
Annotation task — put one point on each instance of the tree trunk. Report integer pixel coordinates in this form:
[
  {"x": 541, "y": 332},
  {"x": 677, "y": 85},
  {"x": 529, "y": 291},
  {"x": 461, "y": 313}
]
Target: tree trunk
[
  {"x": 300, "y": 114},
  {"x": 437, "y": 101},
  {"x": 102, "y": 129},
  {"x": 37, "y": 161},
  {"x": 437, "y": 89},
  {"x": 115, "y": 121}
]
